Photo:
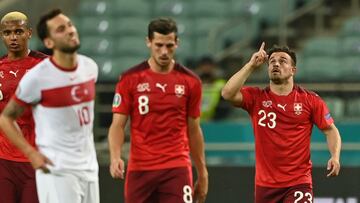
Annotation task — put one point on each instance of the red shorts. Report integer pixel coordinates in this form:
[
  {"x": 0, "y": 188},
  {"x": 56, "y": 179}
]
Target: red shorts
[
  {"x": 17, "y": 182},
  {"x": 167, "y": 185},
  {"x": 295, "y": 194}
]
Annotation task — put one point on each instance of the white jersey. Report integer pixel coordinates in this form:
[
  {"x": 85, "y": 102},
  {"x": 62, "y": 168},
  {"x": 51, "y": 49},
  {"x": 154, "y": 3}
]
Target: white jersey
[{"x": 63, "y": 109}]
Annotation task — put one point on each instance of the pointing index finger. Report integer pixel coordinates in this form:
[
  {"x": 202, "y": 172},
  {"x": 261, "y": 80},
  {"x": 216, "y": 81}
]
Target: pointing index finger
[{"x": 262, "y": 46}]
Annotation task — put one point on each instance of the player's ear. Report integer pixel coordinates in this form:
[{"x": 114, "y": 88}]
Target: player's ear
[
  {"x": 48, "y": 43},
  {"x": 294, "y": 70},
  {"x": 148, "y": 42},
  {"x": 29, "y": 33}
]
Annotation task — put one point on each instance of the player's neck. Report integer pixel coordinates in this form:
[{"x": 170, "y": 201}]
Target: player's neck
[
  {"x": 13, "y": 56},
  {"x": 65, "y": 60},
  {"x": 160, "y": 69},
  {"x": 282, "y": 89}
]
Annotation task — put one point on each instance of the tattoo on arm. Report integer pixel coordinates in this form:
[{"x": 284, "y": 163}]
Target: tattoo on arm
[{"x": 13, "y": 110}]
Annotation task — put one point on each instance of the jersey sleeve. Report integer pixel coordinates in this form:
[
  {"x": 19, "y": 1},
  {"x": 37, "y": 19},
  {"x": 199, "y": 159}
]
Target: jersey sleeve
[
  {"x": 194, "y": 104},
  {"x": 28, "y": 90},
  {"x": 96, "y": 70},
  {"x": 321, "y": 114},
  {"x": 249, "y": 94},
  {"x": 122, "y": 97}
]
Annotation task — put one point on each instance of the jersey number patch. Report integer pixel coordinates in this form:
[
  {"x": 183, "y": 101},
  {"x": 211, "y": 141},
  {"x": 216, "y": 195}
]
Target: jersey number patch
[
  {"x": 143, "y": 104},
  {"x": 267, "y": 119},
  {"x": 84, "y": 115},
  {"x": 187, "y": 197},
  {"x": 1, "y": 94},
  {"x": 299, "y": 195}
]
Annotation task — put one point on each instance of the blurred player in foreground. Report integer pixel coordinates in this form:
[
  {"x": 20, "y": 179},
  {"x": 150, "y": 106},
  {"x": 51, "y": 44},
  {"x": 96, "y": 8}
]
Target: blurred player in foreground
[
  {"x": 282, "y": 116},
  {"x": 17, "y": 177},
  {"x": 61, "y": 90},
  {"x": 162, "y": 98}
]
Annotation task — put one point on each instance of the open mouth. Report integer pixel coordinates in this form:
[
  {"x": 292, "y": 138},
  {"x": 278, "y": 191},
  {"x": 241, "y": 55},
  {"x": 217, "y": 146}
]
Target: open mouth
[{"x": 13, "y": 45}]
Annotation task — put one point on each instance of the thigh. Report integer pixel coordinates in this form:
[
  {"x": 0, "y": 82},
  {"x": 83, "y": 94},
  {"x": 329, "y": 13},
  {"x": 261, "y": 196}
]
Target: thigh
[
  {"x": 91, "y": 192},
  {"x": 58, "y": 188},
  {"x": 28, "y": 189},
  {"x": 299, "y": 194},
  {"x": 139, "y": 186},
  {"x": 176, "y": 186},
  {"x": 269, "y": 194},
  {"x": 7, "y": 186},
  {"x": 17, "y": 182}
]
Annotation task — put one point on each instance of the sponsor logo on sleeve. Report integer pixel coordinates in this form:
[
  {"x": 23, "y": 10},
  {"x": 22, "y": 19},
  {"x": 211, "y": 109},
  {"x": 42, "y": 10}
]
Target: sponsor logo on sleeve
[
  {"x": 116, "y": 100},
  {"x": 327, "y": 116}
]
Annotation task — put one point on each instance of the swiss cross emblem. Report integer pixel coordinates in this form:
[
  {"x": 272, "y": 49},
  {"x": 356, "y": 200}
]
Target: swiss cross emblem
[
  {"x": 179, "y": 90},
  {"x": 297, "y": 108}
]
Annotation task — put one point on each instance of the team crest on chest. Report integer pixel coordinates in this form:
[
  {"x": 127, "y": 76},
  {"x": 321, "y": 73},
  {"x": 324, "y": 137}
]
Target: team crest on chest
[
  {"x": 1, "y": 74},
  {"x": 179, "y": 90},
  {"x": 298, "y": 108}
]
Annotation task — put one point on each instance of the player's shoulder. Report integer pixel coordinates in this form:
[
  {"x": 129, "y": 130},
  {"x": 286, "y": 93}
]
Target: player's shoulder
[
  {"x": 305, "y": 92},
  {"x": 186, "y": 71},
  {"x": 86, "y": 60},
  {"x": 37, "y": 55},
  {"x": 134, "y": 70}
]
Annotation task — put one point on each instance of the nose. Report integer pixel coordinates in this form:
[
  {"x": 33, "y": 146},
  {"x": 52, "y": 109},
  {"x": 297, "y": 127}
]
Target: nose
[
  {"x": 164, "y": 50},
  {"x": 276, "y": 64},
  {"x": 13, "y": 36}
]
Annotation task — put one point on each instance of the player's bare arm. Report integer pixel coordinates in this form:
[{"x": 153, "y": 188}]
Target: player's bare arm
[
  {"x": 231, "y": 90},
  {"x": 334, "y": 144},
  {"x": 197, "y": 151},
  {"x": 116, "y": 140},
  {"x": 7, "y": 123}
]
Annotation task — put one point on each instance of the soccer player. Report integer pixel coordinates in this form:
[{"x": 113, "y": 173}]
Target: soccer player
[
  {"x": 162, "y": 98},
  {"x": 61, "y": 91},
  {"x": 17, "y": 177},
  {"x": 282, "y": 116}
]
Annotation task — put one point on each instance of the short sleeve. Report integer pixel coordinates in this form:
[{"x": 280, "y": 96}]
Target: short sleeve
[
  {"x": 249, "y": 95},
  {"x": 194, "y": 105},
  {"x": 28, "y": 90},
  {"x": 122, "y": 97},
  {"x": 321, "y": 114}
]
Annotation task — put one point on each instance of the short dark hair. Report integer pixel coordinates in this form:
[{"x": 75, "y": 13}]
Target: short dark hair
[
  {"x": 42, "y": 28},
  {"x": 163, "y": 26},
  {"x": 285, "y": 49}
]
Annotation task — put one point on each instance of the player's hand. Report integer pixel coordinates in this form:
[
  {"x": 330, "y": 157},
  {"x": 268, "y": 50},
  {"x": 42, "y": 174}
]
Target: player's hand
[
  {"x": 259, "y": 57},
  {"x": 201, "y": 188},
  {"x": 117, "y": 168},
  {"x": 333, "y": 166},
  {"x": 40, "y": 161}
]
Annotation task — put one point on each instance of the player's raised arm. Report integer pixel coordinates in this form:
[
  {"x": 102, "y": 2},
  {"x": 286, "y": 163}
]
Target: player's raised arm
[{"x": 231, "y": 90}]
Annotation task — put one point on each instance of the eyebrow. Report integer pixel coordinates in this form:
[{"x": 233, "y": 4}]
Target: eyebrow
[{"x": 281, "y": 57}]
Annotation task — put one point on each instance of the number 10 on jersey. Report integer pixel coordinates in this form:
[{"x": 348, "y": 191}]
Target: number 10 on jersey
[{"x": 84, "y": 115}]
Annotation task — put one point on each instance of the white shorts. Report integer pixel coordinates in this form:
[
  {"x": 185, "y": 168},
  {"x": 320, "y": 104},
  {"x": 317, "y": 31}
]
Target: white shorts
[{"x": 65, "y": 188}]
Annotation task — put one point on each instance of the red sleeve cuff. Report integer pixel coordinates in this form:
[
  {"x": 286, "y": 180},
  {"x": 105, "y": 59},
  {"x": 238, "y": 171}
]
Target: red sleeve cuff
[{"x": 20, "y": 102}]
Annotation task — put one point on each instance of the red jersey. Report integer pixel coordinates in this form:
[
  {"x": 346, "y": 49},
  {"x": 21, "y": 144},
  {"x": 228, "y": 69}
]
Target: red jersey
[
  {"x": 282, "y": 127},
  {"x": 158, "y": 105},
  {"x": 10, "y": 74}
]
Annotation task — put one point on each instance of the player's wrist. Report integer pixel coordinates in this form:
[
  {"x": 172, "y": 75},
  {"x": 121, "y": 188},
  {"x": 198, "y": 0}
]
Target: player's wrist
[{"x": 29, "y": 151}]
